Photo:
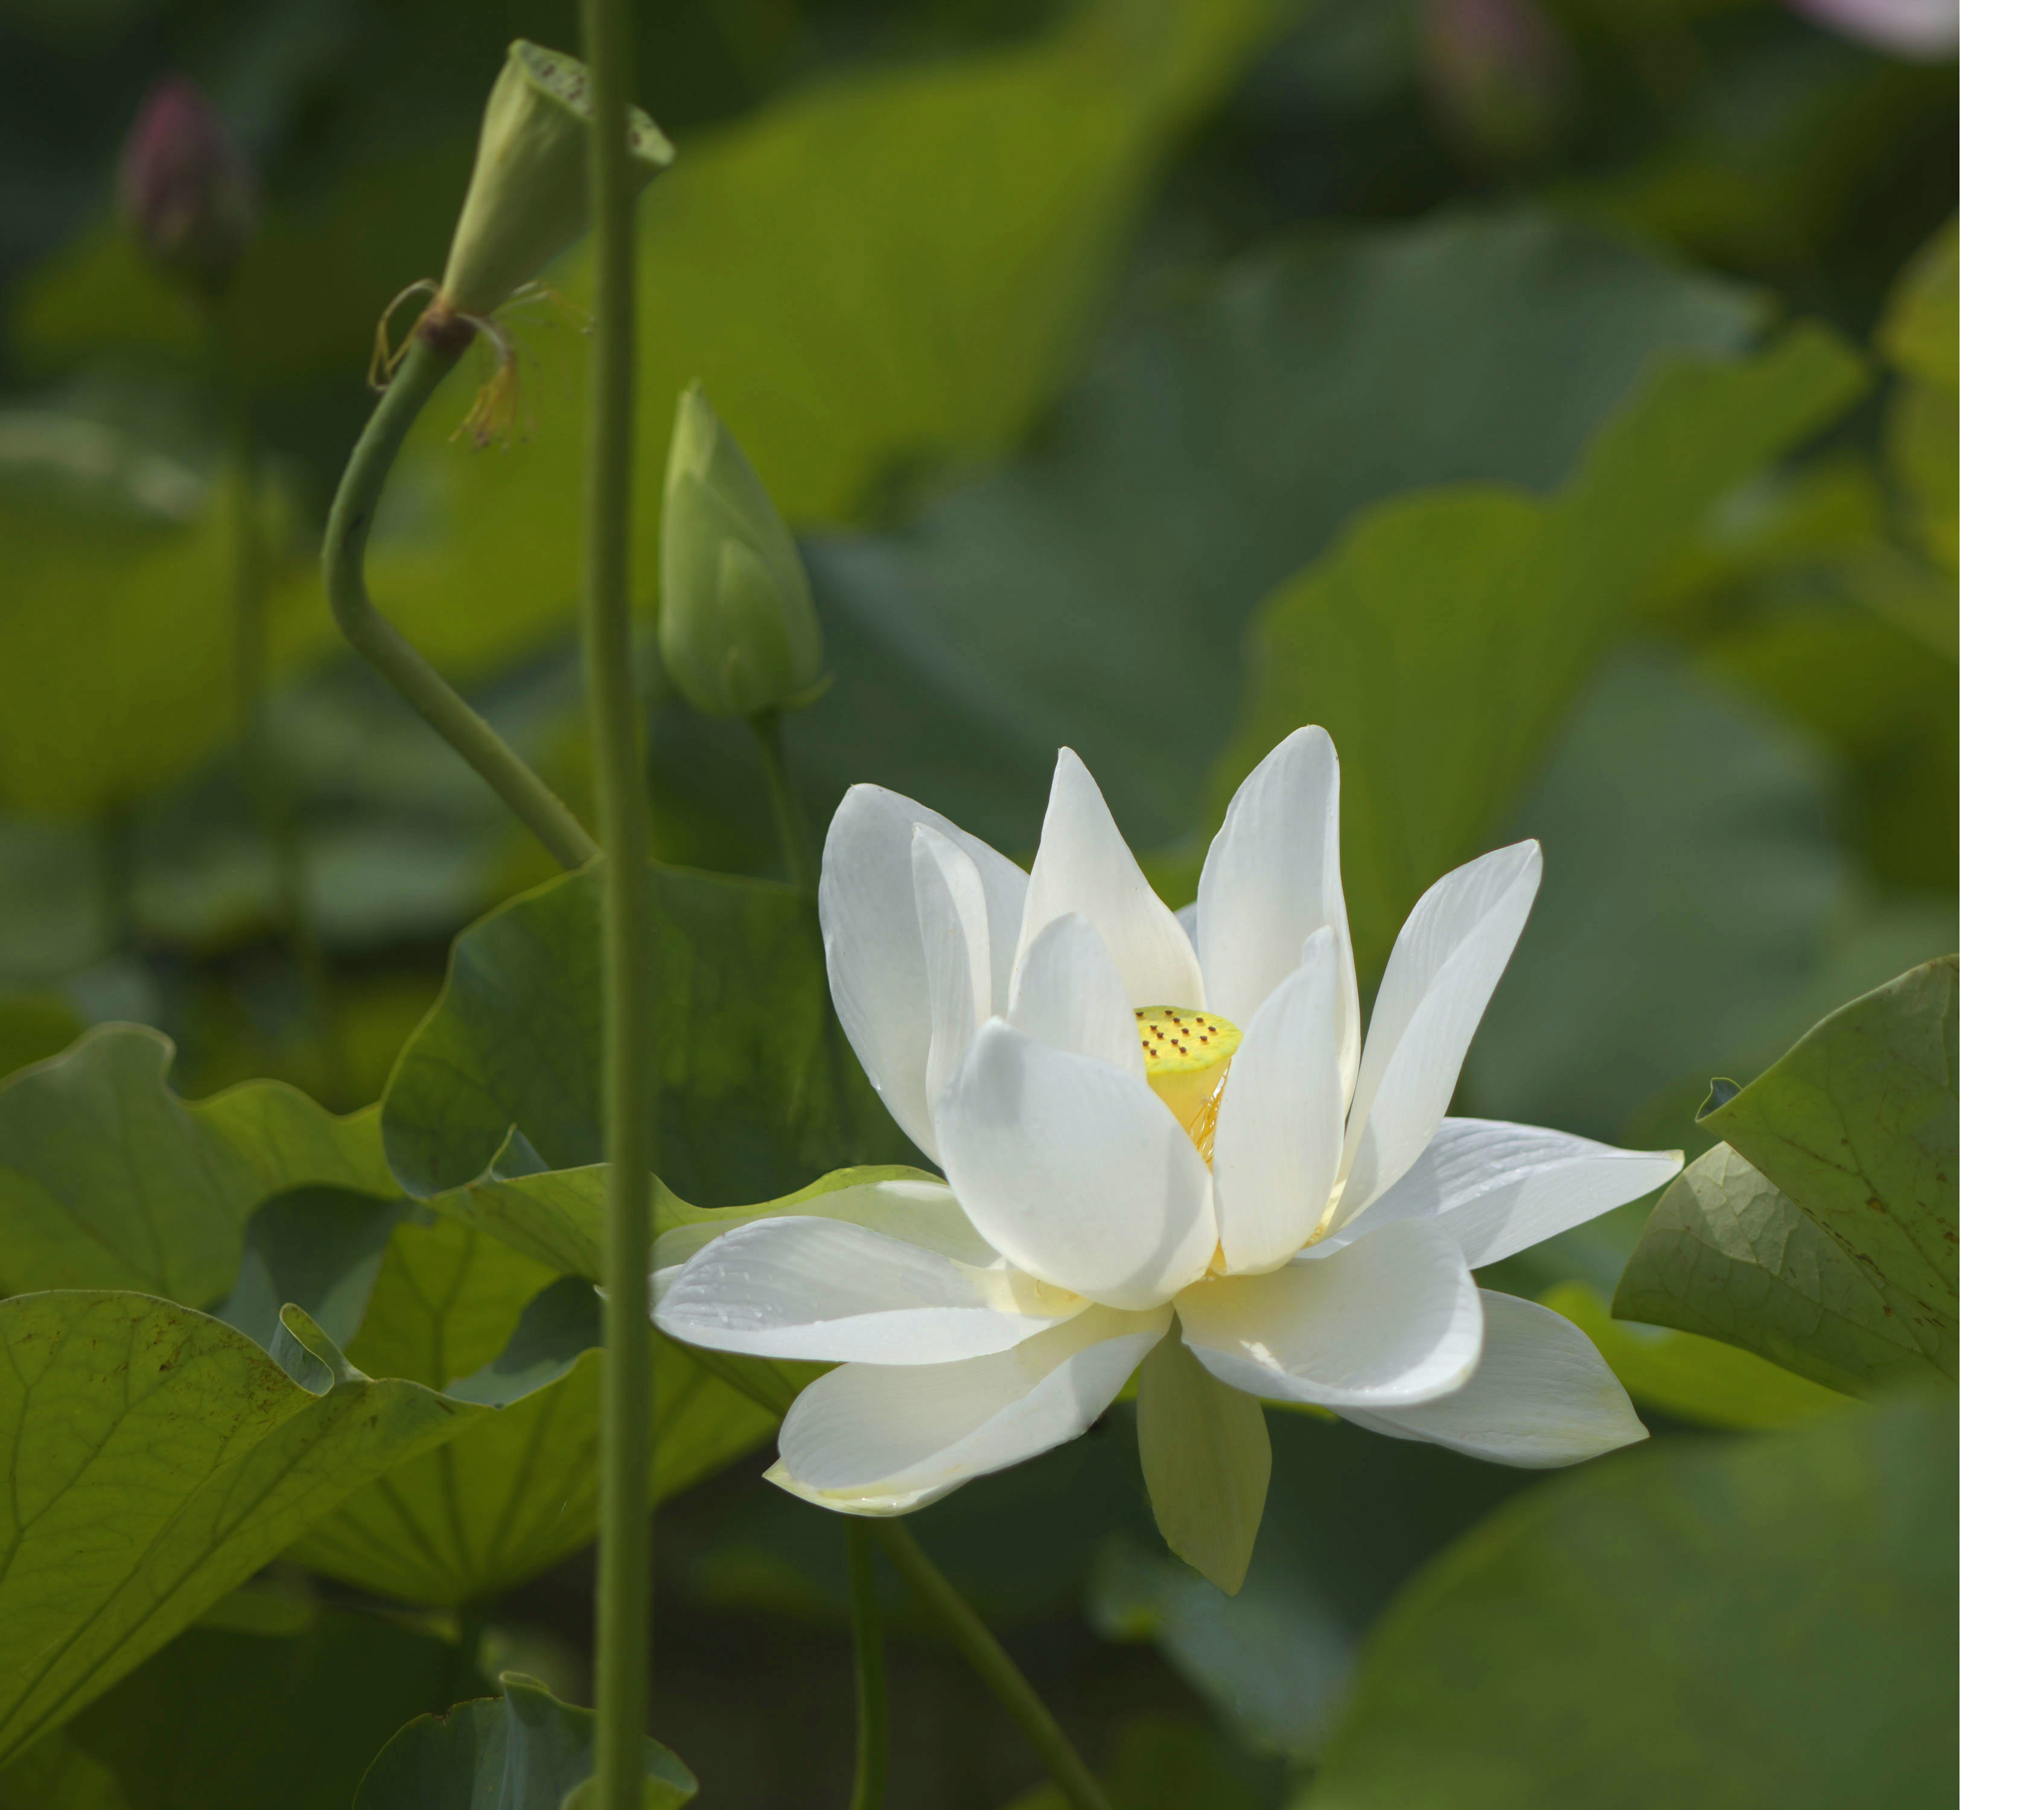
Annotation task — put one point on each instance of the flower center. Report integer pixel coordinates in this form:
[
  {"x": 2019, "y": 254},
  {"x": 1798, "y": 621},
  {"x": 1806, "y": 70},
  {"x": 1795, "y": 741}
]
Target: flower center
[{"x": 1186, "y": 1054}]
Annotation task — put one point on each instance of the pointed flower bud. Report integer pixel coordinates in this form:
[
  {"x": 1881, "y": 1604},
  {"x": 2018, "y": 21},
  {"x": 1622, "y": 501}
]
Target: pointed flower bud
[
  {"x": 738, "y": 630},
  {"x": 528, "y": 195},
  {"x": 187, "y": 192}
]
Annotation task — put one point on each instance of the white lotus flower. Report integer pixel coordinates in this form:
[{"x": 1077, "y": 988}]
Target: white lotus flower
[{"x": 1160, "y": 1129}]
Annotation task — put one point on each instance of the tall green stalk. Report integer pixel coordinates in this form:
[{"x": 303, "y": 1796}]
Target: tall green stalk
[
  {"x": 428, "y": 361},
  {"x": 869, "y": 1640},
  {"x": 625, "y": 1556},
  {"x": 790, "y": 824}
]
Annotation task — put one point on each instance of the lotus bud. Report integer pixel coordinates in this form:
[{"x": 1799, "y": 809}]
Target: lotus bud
[
  {"x": 187, "y": 192},
  {"x": 1500, "y": 74},
  {"x": 738, "y": 630},
  {"x": 528, "y": 195}
]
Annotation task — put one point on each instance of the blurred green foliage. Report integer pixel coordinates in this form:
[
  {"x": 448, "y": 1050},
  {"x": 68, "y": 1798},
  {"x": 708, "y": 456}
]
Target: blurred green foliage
[{"x": 1145, "y": 377}]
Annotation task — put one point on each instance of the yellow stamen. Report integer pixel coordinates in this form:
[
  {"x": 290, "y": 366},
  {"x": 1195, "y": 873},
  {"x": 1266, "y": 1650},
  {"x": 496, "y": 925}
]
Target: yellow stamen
[{"x": 1186, "y": 1054}]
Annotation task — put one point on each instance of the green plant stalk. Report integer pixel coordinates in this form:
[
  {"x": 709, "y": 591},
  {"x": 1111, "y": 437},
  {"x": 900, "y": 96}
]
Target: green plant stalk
[
  {"x": 869, "y": 1641},
  {"x": 986, "y": 1656},
  {"x": 790, "y": 823},
  {"x": 625, "y": 1553},
  {"x": 348, "y": 524}
]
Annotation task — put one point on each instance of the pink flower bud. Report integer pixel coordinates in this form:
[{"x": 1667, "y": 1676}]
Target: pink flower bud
[
  {"x": 186, "y": 192},
  {"x": 1500, "y": 74}
]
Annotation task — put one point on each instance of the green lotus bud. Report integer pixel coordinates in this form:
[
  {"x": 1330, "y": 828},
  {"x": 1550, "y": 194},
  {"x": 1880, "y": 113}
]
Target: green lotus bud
[
  {"x": 738, "y": 630},
  {"x": 528, "y": 196}
]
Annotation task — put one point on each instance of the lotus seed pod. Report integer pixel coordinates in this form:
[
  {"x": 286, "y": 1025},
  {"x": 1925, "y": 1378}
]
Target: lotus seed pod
[
  {"x": 187, "y": 192},
  {"x": 738, "y": 628},
  {"x": 528, "y": 195}
]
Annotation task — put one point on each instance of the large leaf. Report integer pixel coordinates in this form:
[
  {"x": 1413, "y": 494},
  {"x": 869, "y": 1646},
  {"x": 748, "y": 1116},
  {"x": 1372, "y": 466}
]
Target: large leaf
[
  {"x": 1695, "y": 866},
  {"x": 524, "y": 1750},
  {"x": 235, "y": 1720},
  {"x": 1765, "y": 1622},
  {"x": 159, "y": 1458},
  {"x": 1095, "y": 592},
  {"x": 109, "y": 1179},
  {"x": 1727, "y": 1254},
  {"x": 758, "y": 1091},
  {"x": 116, "y": 617},
  {"x": 515, "y": 1490},
  {"x": 1441, "y": 639},
  {"x": 1824, "y": 1233}
]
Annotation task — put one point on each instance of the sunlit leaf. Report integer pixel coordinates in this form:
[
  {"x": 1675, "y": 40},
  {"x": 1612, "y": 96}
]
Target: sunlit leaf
[
  {"x": 524, "y": 1750},
  {"x": 1920, "y": 336},
  {"x": 160, "y": 1458},
  {"x": 109, "y": 1179},
  {"x": 465, "y": 1313},
  {"x": 1767, "y": 1622}
]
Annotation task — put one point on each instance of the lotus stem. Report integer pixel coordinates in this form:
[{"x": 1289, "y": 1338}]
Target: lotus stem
[
  {"x": 869, "y": 1640},
  {"x": 625, "y": 1558},
  {"x": 429, "y": 357},
  {"x": 975, "y": 1642}
]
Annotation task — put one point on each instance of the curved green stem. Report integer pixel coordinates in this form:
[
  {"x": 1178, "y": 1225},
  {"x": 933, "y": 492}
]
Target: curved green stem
[
  {"x": 975, "y": 1642},
  {"x": 625, "y": 1553},
  {"x": 347, "y": 529},
  {"x": 790, "y": 824},
  {"x": 869, "y": 1640}
]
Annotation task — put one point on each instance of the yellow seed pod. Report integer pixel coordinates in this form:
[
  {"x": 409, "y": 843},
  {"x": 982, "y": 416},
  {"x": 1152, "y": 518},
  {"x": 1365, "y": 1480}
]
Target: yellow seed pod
[{"x": 1185, "y": 1056}]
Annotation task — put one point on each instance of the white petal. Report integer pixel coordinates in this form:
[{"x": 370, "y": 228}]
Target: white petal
[
  {"x": 1068, "y": 994},
  {"x": 1188, "y": 920},
  {"x": 919, "y": 1210},
  {"x": 1541, "y": 1397},
  {"x": 1497, "y": 1188},
  {"x": 1075, "y": 1171},
  {"x": 1442, "y": 970},
  {"x": 951, "y": 911},
  {"x": 830, "y": 1292},
  {"x": 1272, "y": 878},
  {"x": 873, "y": 946},
  {"x": 1083, "y": 865},
  {"x": 1278, "y": 1139},
  {"x": 1392, "y": 1319},
  {"x": 873, "y": 1440}
]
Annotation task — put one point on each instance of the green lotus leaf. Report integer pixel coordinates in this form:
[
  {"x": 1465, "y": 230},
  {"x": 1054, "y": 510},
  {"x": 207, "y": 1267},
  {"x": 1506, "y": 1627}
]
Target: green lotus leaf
[
  {"x": 1823, "y": 1233},
  {"x": 467, "y": 1314},
  {"x": 1442, "y": 639},
  {"x": 160, "y": 1458},
  {"x": 758, "y": 1091},
  {"x": 1769, "y": 1621},
  {"x": 109, "y": 1179}
]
